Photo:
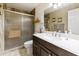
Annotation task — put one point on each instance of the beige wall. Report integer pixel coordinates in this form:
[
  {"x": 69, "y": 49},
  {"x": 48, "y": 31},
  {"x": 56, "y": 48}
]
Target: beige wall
[
  {"x": 62, "y": 12},
  {"x": 39, "y": 13},
  {"x": 1, "y": 31}
]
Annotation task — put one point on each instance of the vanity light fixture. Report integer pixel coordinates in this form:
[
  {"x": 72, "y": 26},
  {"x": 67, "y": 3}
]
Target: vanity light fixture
[
  {"x": 56, "y": 5},
  {"x": 59, "y": 4},
  {"x": 50, "y": 4}
]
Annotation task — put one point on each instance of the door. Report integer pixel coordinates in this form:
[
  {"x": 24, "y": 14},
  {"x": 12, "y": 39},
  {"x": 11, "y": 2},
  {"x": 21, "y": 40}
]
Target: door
[
  {"x": 53, "y": 54},
  {"x": 44, "y": 51},
  {"x": 36, "y": 50},
  {"x": 12, "y": 30},
  {"x": 18, "y": 29},
  {"x": 27, "y": 28}
]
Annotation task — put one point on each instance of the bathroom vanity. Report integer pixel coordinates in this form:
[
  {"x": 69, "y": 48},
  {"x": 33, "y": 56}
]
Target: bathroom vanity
[{"x": 44, "y": 46}]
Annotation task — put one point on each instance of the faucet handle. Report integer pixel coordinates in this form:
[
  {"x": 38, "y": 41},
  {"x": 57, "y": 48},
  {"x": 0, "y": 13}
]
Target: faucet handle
[{"x": 55, "y": 34}]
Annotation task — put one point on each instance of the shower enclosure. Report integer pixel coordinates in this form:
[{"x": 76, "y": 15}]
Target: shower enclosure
[{"x": 18, "y": 28}]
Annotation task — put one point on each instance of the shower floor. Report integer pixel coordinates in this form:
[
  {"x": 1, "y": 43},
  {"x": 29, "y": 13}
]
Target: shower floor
[
  {"x": 16, "y": 52},
  {"x": 12, "y": 43}
]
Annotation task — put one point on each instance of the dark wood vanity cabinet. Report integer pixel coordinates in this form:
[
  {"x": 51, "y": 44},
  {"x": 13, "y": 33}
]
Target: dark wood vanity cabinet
[
  {"x": 36, "y": 50},
  {"x": 39, "y": 50},
  {"x": 44, "y": 48},
  {"x": 44, "y": 52}
]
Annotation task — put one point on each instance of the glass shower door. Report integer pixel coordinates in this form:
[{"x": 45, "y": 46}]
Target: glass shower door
[
  {"x": 18, "y": 29},
  {"x": 12, "y": 30},
  {"x": 27, "y": 28}
]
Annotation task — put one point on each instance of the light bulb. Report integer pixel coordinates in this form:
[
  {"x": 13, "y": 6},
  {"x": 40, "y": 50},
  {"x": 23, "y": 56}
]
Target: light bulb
[
  {"x": 59, "y": 4},
  {"x": 50, "y": 4},
  {"x": 54, "y": 5}
]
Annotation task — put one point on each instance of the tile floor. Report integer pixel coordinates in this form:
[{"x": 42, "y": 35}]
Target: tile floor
[{"x": 17, "y": 52}]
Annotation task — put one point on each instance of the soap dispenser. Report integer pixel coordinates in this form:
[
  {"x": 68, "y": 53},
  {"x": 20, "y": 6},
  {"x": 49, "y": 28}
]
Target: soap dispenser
[{"x": 42, "y": 28}]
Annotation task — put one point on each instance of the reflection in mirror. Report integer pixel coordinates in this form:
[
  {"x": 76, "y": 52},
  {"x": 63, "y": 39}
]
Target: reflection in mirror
[
  {"x": 73, "y": 21},
  {"x": 56, "y": 18}
]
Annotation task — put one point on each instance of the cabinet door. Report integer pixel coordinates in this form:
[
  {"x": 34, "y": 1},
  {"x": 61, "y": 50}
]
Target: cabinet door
[
  {"x": 53, "y": 54},
  {"x": 45, "y": 52},
  {"x": 36, "y": 50}
]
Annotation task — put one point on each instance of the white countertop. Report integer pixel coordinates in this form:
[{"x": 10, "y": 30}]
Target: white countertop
[{"x": 70, "y": 45}]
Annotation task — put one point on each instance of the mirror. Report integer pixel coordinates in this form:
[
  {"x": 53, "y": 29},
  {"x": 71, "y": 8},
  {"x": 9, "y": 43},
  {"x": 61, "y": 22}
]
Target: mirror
[
  {"x": 73, "y": 21},
  {"x": 58, "y": 18}
]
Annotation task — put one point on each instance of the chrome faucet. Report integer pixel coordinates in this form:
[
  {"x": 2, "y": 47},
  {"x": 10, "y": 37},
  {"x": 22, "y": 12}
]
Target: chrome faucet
[
  {"x": 66, "y": 34},
  {"x": 55, "y": 34}
]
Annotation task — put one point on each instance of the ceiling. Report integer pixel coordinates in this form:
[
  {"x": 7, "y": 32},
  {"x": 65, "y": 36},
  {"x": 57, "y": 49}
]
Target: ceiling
[
  {"x": 23, "y": 6},
  {"x": 30, "y": 6},
  {"x": 51, "y": 9}
]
